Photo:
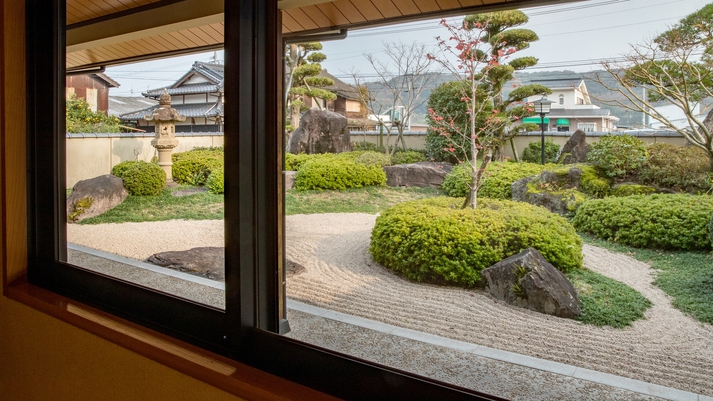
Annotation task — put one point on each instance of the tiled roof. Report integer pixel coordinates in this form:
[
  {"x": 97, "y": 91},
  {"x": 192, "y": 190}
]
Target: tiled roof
[
  {"x": 214, "y": 73},
  {"x": 119, "y": 105},
  {"x": 340, "y": 88},
  {"x": 191, "y": 110},
  {"x": 186, "y": 89}
]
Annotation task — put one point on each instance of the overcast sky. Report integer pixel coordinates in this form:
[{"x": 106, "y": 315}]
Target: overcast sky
[{"x": 573, "y": 36}]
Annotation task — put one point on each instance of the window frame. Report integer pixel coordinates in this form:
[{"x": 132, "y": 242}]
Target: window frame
[{"x": 246, "y": 331}]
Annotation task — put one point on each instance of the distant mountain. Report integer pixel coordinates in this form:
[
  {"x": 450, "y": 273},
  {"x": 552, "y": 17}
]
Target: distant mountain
[{"x": 599, "y": 94}]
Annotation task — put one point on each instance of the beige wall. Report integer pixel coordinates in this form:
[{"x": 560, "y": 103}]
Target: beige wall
[
  {"x": 90, "y": 157},
  {"x": 521, "y": 141}
]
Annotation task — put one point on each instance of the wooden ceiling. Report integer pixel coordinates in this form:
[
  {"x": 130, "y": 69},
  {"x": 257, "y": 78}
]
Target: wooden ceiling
[{"x": 108, "y": 32}]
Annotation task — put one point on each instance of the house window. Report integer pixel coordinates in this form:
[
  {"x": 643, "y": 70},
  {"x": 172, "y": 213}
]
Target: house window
[
  {"x": 562, "y": 99},
  {"x": 587, "y": 127},
  {"x": 353, "y": 107},
  {"x": 245, "y": 328}
]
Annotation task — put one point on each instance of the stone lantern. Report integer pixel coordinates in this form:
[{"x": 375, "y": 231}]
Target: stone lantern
[{"x": 165, "y": 118}]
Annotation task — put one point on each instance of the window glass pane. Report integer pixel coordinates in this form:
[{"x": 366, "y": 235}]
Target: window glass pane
[
  {"x": 144, "y": 165},
  {"x": 411, "y": 294}
]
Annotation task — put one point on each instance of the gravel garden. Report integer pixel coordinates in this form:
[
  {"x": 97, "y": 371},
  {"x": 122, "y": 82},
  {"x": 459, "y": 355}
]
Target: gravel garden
[{"x": 631, "y": 229}]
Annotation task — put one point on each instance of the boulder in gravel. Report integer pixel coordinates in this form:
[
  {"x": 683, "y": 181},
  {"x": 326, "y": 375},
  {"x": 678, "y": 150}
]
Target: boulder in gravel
[
  {"x": 95, "y": 196},
  {"x": 528, "y": 280},
  {"x": 203, "y": 261},
  {"x": 422, "y": 174},
  {"x": 206, "y": 262},
  {"x": 320, "y": 131},
  {"x": 575, "y": 149}
]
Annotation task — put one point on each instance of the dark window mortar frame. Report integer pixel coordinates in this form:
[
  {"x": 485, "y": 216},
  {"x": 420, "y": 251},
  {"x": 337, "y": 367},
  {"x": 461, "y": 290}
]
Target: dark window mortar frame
[{"x": 246, "y": 330}]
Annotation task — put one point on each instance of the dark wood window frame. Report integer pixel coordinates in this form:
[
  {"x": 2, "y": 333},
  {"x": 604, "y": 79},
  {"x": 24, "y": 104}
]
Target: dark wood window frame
[{"x": 246, "y": 330}]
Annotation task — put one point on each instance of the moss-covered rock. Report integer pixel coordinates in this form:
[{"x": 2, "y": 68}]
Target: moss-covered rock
[
  {"x": 561, "y": 190},
  {"x": 628, "y": 189}
]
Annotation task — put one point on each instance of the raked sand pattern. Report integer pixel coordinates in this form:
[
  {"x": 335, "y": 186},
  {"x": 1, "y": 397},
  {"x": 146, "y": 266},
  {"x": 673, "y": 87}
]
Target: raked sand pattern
[{"x": 667, "y": 348}]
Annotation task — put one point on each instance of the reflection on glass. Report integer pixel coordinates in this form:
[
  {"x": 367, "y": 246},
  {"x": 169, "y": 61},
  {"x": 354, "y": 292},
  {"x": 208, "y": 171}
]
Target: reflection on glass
[{"x": 145, "y": 179}]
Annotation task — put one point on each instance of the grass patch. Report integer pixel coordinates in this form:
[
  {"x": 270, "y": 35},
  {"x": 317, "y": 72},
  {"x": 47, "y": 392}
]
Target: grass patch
[
  {"x": 200, "y": 206},
  {"x": 605, "y": 301},
  {"x": 358, "y": 200},
  {"x": 686, "y": 276}
]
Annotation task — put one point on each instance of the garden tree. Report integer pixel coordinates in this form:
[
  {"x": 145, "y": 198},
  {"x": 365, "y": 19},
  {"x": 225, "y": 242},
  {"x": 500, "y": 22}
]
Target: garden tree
[
  {"x": 675, "y": 67},
  {"x": 476, "y": 54},
  {"x": 81, "y": 118},
  {"x": 405, "y": 75},
  {"x": 302, "y": 67}
]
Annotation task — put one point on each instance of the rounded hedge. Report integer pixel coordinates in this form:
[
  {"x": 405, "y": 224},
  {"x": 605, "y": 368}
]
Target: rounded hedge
[
  {"x": 293, "y": 162},
  {"x": 533, "y": 152},
  {"x": 497, "y": 181},
  {"x": 194, "y": 167},
  {"x": 337, "y": 172},
  {"x": 141, "y": 178},
  {"x": 216, "y": 181},
  {"x": 408, "y": 157},
  {"x": 618, "y": 155},
  {"x": 660, "y": 221},
  {"x": 434, "y": 240},
  {"x": 631, "y": 189},
  {"x": 371, "y": 158},
  {"x": 120, "y": 169},
  {"x": 683, "y": 168}
]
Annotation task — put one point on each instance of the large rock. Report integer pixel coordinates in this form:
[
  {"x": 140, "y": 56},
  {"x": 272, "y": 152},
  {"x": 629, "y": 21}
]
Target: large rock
[
  {"x": 203, "y": 261},
  {"x": 556, "y": 191},
  {"x": 422, "y": 174},
  {"x": 575, "y": 150},
  {"x": 95, "y": 196},
  {"x": 320, "y": 131},
  {"x": 528, "y": 280},
  {"x": 206, "y": 262}
]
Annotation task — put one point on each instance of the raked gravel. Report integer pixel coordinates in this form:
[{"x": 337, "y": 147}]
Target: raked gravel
[{"x": 667, "y": 348}]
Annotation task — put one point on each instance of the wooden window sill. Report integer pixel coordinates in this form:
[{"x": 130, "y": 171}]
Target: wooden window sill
[{"x": 233, "y": 377}]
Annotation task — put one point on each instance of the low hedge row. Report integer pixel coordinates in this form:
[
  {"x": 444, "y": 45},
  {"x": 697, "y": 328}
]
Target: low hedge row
[
  {"x": 338, "y": 172},
  {"x": 660, "y": 221},
  {"x": 434, "y": 240},
  {"x": 216, "y": 181}
]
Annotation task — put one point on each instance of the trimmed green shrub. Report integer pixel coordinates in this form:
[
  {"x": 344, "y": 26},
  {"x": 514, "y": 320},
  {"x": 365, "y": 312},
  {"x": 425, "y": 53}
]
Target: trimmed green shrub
[
  {"x": 143, "y": 179},
  {"x": 533, "y": 152},
  {"x": 683, "y": 168},
  {"x": 497, "y": 180},
  {"x": 408, "y": 157},
  {"x": 632, "y": 189},
  {"x": 371, "y": 158},
  {"x": 120, "y": 169},
  {"x": 456, "y": 183},
  {"x": 194, "y": 167},
  {"x": 499, "y": 177},
  {"x": 434, "y": 240},
  {"x": 660, "y": 221},
  {"x": 216, "y": 181},
  {"x": 710, "y": 230},
  {"x": 618, "y": 155},
  {"x": 293, "y": 162},
  {"x": 445, "y": 101},
  {"x": 337, "y": 172}
]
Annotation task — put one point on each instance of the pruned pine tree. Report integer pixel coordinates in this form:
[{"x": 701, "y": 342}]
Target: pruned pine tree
[{"x": 302, "y": 80}]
